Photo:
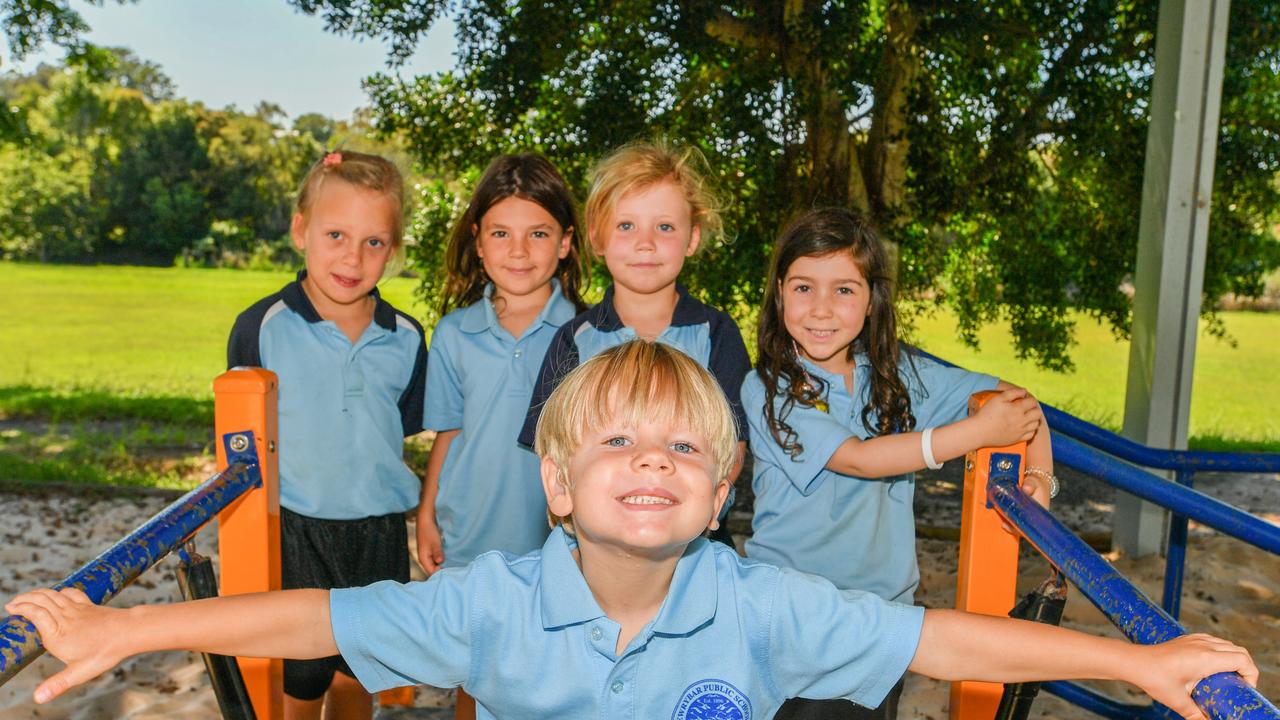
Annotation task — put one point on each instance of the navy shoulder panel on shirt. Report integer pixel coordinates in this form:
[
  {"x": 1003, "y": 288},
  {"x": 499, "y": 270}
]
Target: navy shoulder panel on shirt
[
  {"x": 413, "y": 400},
  {"x": 243, "y": 348},
  {"x": 729, "y": 363},
  {"x": 561, "y": 358}
]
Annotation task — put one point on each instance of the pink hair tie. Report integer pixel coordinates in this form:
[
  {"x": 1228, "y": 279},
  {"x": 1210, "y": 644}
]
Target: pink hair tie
[{"x": 332, "y": 159}]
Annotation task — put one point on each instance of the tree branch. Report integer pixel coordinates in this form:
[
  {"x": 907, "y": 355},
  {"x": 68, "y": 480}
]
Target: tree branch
[{"x": 727, "y": 28}]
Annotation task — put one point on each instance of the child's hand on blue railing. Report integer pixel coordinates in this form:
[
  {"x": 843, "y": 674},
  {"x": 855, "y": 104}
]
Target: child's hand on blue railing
[
  {"x": 75, "y": 631},
  {"x": 1174, "y": 668}
]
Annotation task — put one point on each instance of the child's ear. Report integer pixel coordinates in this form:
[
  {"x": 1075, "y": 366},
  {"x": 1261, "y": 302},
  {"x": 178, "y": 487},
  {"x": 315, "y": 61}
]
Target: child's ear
[
  {"x": 566, "y": 242},
  {"x": 559, "y": 502},
  {"x": 695, "y": 237},
  {"x": 298, "y": 231},
  {"x": 721, "y": 492}
]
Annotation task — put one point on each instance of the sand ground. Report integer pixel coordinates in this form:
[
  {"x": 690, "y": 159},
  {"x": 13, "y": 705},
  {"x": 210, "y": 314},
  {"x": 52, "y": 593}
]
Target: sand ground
[{"x": 1232, "y": 589}]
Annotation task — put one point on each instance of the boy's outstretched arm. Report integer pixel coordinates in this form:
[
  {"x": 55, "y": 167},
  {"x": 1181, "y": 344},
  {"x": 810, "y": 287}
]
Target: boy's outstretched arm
[
  {"x": 1009, "y": 417},
  {"x": 956, "y": 645},
  {"x": 92, "y": 639}
]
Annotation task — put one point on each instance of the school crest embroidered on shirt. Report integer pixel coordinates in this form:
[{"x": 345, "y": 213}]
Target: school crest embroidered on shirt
[{"x": 712, "y": 700}]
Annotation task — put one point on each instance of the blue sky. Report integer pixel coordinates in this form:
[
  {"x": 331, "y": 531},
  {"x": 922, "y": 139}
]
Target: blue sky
[{"x": 239, "y": 52}]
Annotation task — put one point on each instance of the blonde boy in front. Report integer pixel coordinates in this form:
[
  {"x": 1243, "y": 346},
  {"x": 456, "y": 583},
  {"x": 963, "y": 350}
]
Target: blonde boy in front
[{"x": 626, "y": 611}]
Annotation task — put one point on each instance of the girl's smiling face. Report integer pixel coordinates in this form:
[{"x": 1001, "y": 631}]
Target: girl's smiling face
[
  {"x": 347, "y": 236},
  {"x": 520, "y": 245},
  {"x": 649, "y": 235},
  {"x": 825, "y": 302}
]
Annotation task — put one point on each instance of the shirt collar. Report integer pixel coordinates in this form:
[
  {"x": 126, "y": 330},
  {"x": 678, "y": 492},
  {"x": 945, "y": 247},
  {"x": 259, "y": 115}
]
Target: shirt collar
[
  {"x": 833, "y": 380},
  {"x": 480, "y": 315},
  {"x": 567, "y": 600},
  {"x": 296, "y": 299},
  {"x": 691, "y": 600},
  {"x": 688, "y": 310}
]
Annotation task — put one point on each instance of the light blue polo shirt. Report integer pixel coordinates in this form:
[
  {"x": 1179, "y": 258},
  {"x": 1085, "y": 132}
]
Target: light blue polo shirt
[
  {"x": 480, "y": 380},
  {"x": 525, "y": 637},
  {"x": 344, "y": 408},
  {"x": 858, "y": 533}
]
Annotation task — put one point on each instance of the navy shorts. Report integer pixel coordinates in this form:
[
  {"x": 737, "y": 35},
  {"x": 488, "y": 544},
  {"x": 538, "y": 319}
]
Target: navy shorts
[
  {"x": 801, "y": 709},
  {"x": 326, "y": 554}
]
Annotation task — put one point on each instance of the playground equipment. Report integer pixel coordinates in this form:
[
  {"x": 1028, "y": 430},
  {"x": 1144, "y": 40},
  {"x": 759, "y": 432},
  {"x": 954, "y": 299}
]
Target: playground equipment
[
  {"x": 244, "y": 497},
  {"x": 989, "y": 555}
]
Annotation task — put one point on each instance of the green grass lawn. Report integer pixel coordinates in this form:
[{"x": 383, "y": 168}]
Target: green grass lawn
[
  {"x": 145, "y": 343},
  {"x": 130, "y": 331},
  {"x": 1234, "y": 390}
]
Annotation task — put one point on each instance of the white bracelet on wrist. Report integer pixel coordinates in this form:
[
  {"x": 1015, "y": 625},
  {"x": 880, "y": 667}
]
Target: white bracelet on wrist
[{"x": 926, "y": 449}]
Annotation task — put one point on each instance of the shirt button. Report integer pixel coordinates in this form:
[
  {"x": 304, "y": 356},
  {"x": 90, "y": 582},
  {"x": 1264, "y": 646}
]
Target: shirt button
[
  {"x": 519, "y": 353},
  {"x": 596, "y": 634},
  {"x": 616, "y": 687}
]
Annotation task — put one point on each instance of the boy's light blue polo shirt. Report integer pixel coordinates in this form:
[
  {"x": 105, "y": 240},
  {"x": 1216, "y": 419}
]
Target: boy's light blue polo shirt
[
  {"x": 344, "y": 408},
  {"x": 480, "y": 380},
  {"x": 858, "y": 533},
  {"x": 525, "y": 637}
]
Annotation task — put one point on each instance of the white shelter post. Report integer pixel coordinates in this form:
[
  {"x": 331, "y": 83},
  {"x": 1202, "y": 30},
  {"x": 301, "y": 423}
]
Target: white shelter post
[{"x": 1173, "y": 235}]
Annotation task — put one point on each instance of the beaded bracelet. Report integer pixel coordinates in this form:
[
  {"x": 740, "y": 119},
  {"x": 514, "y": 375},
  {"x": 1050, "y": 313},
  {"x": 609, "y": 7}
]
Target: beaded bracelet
[{"x": 1046, "y": 475}]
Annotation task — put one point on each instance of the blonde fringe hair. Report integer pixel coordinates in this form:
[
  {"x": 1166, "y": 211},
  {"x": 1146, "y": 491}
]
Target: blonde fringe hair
[
  {"x": 626, "y": 385},
  {"x": 638, "y": 166},
  {"x": 362, "y": 170}
]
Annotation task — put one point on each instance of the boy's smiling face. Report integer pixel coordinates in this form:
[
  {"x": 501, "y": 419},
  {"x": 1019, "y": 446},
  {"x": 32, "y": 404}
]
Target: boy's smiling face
[{"x": 646, "y": 490}]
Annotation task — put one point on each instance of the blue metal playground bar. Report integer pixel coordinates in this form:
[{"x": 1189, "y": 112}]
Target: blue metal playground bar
[
  {"x": 106, "y": 575},
  {"x": 1224, "y": 695},
  {"x": 1125, "y": 449},
  {"x": 1181, "y": 500}
]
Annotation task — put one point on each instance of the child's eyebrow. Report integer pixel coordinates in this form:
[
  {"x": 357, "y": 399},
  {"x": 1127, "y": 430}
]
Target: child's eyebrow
[
  {"x": 505, "y": 226},
  {"x": 805, "y": 278}
]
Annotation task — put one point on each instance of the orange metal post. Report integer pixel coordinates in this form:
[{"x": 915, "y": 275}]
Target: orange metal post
[
  {"x": 988, "y": 576},
  {"x": 249, "y": 529},
  {"x": 396, "y": 696}
]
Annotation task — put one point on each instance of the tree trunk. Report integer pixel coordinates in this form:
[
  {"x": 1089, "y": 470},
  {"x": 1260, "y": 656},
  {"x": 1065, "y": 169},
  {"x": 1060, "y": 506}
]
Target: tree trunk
[{"x": 884, "y": 157}]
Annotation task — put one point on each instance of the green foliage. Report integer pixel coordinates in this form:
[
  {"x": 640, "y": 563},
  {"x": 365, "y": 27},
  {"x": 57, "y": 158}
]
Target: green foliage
[
  {"x": 998, "y": 145},
  {"x": 107, "y": 166},
  {"x": 104, "y": 164},
  {"x": 44, "y": 206},
  {"x": 439, "y": 205},
  {"x": 29, "y": 24}
]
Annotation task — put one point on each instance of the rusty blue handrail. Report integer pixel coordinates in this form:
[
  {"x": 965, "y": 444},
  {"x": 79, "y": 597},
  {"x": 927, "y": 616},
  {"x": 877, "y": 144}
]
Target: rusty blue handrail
[
  {"x": 1126, "y": 449},
  {"x": 106, "y": 575},
  {"x": 1224, "y": 695},
  {"x": 1182, "y": 500}
]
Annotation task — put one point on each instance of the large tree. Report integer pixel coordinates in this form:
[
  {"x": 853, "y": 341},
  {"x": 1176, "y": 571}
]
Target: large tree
[{"x": 999, "y": 144}]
